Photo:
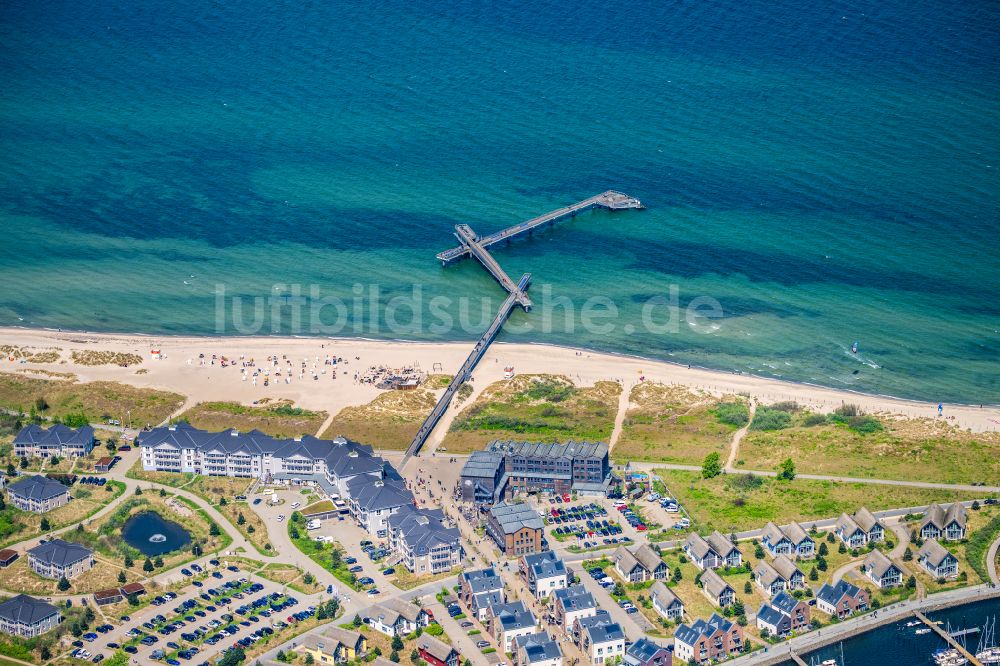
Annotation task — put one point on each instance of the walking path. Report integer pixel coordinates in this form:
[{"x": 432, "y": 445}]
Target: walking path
[
  {"x": 991, "y": 561},
  {"x": 623, "y": 406},
  {"x": 734, "y": 448},
  {"x": 986, "y": 490}
]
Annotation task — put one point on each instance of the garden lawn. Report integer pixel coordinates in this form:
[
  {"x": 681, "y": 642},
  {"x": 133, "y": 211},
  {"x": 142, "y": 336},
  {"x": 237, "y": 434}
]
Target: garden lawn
[
  {"x": 172, "y": 479},
  {"x": 279, "y": 419},
  {"x": 719, "y": 503},
  {"x": 290, "y": 575},
  {"x": 17, "y": 525},
  {"x": 548, "y": 408}
]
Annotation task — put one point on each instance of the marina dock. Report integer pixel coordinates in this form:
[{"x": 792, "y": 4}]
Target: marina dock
[
  {"x": 517, "y": 296},
  {"x": 948, "y": 637},
  {"x": 610, "y": 200}
]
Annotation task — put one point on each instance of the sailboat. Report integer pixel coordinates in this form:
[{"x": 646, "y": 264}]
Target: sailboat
[{"x": 988, "y": 652}]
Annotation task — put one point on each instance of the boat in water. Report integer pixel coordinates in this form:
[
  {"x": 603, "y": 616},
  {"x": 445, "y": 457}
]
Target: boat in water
[
  {"x": 948, "y": 657},
  {"x": 921, "y": 632},
  {"x": 987, "y": 652},
  {"x": 854, "y": 348}
]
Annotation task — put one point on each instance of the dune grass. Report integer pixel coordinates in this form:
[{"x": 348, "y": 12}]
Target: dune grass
[
  {"x": 278, "y": 419},
  {"x": 390, "y": 421}
]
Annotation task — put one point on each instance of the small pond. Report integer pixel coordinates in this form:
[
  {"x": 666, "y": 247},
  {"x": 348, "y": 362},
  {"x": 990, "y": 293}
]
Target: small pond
[{"x": 152, "y": 534}]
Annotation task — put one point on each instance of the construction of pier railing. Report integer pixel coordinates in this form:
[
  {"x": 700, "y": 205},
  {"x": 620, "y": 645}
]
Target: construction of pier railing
[{"x": 470, "y": 245}]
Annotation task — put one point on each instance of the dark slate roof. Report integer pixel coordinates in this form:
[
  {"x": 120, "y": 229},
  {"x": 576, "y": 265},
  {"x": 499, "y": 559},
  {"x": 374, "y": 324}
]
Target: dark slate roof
[
  {"x": 538, "y": 647},
  {"x": 423, "y": 529},
  {"x": 691, "y": 634},
  {"x": 60, "y": 553},
  {"x": 37, "y": 488},
  {"x": 482, "y": 580},
  {"x": 377, "y": 495},
  {"x": 832, "y": 594},
  {"x": 545, "y": 565},
  {"x": 769, "y": 615},
  {"x": 513, "y": 517},
  {"x": 643, "y": 649},
  {"x": 570, "y": 450},
  {"x": 575, "y": 598},
  {"x": 57, "y": 435},
  {"x": 482, "y": 464},
  {"x": 601, "y": 628},
  {"x": 23, "y": 609},
  {"x": 513, "y": 616},
  {"x": 784, "y": 602}
]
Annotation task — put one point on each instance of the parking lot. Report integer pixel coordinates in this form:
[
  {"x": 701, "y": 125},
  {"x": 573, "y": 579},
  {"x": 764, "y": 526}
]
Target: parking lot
[{"x": 202, "y": 620}]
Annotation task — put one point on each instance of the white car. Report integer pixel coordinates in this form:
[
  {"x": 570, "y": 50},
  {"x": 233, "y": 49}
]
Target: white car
[
  {"x": 281, "y": 517},
  {"x": 296, "y": 505}
]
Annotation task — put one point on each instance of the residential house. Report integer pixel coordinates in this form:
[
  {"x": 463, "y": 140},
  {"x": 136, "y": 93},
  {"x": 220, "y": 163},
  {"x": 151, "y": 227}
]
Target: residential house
[
  {"x": 872, "y": 526},
  {"x": 600, "y": 638},
  {"x": 57, "y": 559},
  {"x": 537, "y": 650},
  {"x": 945, "y": 525},
  {"x": 573, "y": 603},
  {"x": 665, "y": 602},
  {"x": 544, "y": 573},
  {"x": 396, "y": 617},
  {"x": 27, "y": 617},
  {"x": 645, "y": 652},
  {"x": 479, "y": 590},
  {"x": 59, "y": 440},
  {"x": 435, "y": 652},
  {"x": 716, "y": 589},
  {"x": 37, "y": 494},
  {"x": 936, "y": 559},
  {"x": 881, "y": 570},
  {"x": 789, "y": 540},
  {"x": 372, "y": 503},
  {"x": 712, "y": 552},
  {"x": 715, "y": 639},
  {"x": 768, "y": 578},
  {"x": 783, "y": 615},
  {"x": 7, "y": 557},
  {"x": 789, "y": 572},
  {"x": 334, "y": 645},
  {"x": 508, "y": 621},
  {"x": 640, "y": 564},
  {"x": 841, "y": 599},
  {"x": 424, "y": 541},
  {"x": 516, "y": 528}
]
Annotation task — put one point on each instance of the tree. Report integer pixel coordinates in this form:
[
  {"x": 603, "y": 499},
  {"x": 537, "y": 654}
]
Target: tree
[
  {"x": 63, "y": 584},
  {"x": 764, "y": 633},
  {"x": 758, "y": 552},
  {"x": 138, "y": 490},
  {"x": 747, "y": 588},
  {"x": 876, "y": 604},
  {"x": 842, "y": 548},
  {"x": 121, "y": 577},
  {"x": 213, "y": 529},
  {"x": 233, "y": 657},
  {"x": 907, "y": 555},
  {"x": 24, "y": 462},
  {"x": 394, "y": 657},
  {"x": 414, "y": 656},
  {"x": 711, "y": 466},
  {"x": 44, "y": 526},
  {"x": 54, "y": 460},
  {"x": 133, "y": 599},
  {"x": 309, "y": 659},
  {"x": 829, "y": 537},
  {"x": 163, "y": 492},
  {"x": 196, "y": 549},
  {"x": 821, "y": 563},
  {"x": 128, "y": 561},
  {"x": 911, "y": 582},
  {"x": 618, "y": 590},
  {"x": 308, "y": 579},
  {"x": 786, "y": 471},
  {"x": 147, "y": 566},
  {"x": 158, "y": 562},
  {"x": 40, "y": 404},
  {"x": 241, "y": 520},
  {"x": 357, "y": 620},
  {"x": 823, "y": 550},
  {"x": 677, "y": 575},
  {"x": 222, "y": 501},
  {"x": 813, "y": 574},
  {"x": 397, "y": 643},
  {"x": 10, "y": 469},
  {"x": 45, "y": 653}
]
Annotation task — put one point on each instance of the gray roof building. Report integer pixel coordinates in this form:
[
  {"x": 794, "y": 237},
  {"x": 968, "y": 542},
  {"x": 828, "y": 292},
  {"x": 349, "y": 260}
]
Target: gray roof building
[
  {"x": 513, "y": 517},
  {"x": 38, "y": 488},
  {"x": 60, "y": 553},
  {"x": 575, "y": 598},
  {"x": 537, "y": 648},
  {"x": 26, "y": 610},
  {"x": 601, "y": 629}
]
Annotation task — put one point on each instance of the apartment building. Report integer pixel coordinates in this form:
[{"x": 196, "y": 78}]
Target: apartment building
[
  {"x": 426, "y": 544},
  {"x": 59, "y": 440}
]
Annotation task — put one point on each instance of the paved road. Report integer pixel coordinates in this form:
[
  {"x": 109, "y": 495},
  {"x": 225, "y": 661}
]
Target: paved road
[{"x": 885, "y": 615}]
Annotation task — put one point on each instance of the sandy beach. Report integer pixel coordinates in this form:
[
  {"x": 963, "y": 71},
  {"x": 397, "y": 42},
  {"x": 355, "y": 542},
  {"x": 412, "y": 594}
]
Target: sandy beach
[{"x": 186, "y": 366}]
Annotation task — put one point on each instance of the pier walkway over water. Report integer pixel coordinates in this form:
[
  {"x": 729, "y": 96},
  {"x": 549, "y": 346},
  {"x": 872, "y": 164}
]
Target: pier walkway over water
[
  {"x": 948, "y": 637},
  {"x": 473, "y": 246},
  {"x": 611, "y": 200}
]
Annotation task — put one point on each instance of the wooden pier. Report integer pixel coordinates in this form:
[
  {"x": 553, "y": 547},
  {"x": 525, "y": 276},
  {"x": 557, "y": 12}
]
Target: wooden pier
[
  {"x": 473, "y": 246},
  {"x": 463, "y": 373},
  {"x": 951, "y": 641},
  {"x": 610, "y": 200}
]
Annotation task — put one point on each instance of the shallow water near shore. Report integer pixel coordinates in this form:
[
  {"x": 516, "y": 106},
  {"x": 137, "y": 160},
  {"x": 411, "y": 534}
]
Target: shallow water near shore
[{"x": 826, "y": 174}]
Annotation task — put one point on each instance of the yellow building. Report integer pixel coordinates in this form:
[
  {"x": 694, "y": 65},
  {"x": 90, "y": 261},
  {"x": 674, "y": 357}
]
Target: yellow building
[{"x": 334, "y": 645}]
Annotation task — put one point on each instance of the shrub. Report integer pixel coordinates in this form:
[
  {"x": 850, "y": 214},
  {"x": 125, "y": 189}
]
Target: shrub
[
  {"x": 812, "y": 420},
  {"x": 770, "y": 419},
  {"x": 732, "y": 413},
  {"x": 711, "y": 466},
  {"x": 744, "y": 482}
]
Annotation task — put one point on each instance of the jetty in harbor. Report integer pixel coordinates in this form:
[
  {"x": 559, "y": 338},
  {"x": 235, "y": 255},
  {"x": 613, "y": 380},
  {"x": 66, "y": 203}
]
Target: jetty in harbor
[
  {"x": 471, "y": 245},
  {"x": 948, "y": 637}
]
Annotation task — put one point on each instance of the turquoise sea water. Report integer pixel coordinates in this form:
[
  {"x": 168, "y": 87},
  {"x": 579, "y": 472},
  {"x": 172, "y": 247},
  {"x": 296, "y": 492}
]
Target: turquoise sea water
[{"x": 827, "y": 172}]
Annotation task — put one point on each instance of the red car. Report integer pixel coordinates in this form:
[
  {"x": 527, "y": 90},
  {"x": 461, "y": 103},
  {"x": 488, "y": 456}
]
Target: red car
[{"x": 640, "y": 527}]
